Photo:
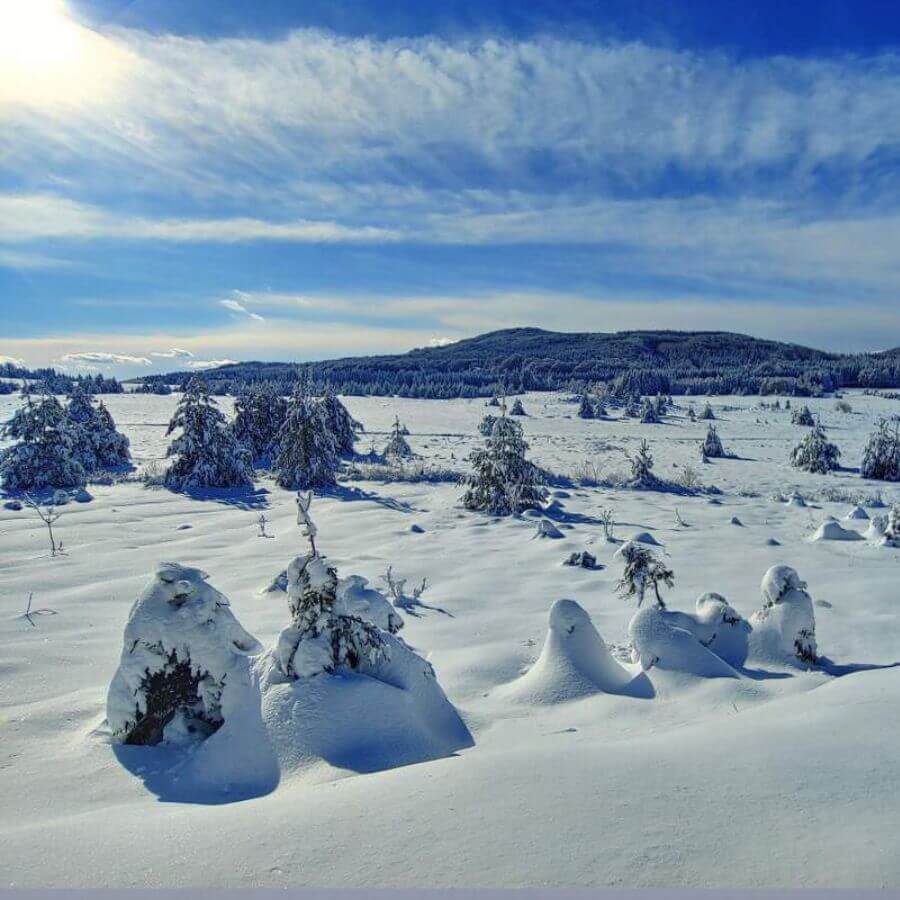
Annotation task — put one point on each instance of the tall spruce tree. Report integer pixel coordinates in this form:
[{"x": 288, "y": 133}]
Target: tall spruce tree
[
  {"x": 881, "y": 457},
  {"x": 205, "y": 454},
  {"x": 308, "y": 453},
  {"x": 342, "y": 425},
  {"x": 259, "y": 413}
]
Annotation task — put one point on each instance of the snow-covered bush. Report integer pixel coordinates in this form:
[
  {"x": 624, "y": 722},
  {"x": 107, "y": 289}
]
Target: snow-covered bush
[
  {"x": 259, "y": 413},
  {"x": 184, "y": 652},
  {"x": 486, "y": 426},
  {"x": 892, "y": 526},
  {"x": 815, "y": 453},
  {"x": 785, "y": 628},
  {"x": 502, "y": 481},
  {"x": 344, "y": 428},
  {"x": 802, "y": 416},
  {"x": 397, "y": 446},
  {"x": 585, "y": 408},
  {"x": 712, "y": 448},
  {"x": 583, "y": 560},
  {"x": 881, "y": 457},
  {"x": 307, "y": 455},
  {"x": 517, "y": 409},
  {"x": 205, "y": 454},
  {"x": 707, "y": 413},
  {"x": 650, "y": 413},
  {"x": 44, "y": 455},
  {"x": 643, "y": 571}
]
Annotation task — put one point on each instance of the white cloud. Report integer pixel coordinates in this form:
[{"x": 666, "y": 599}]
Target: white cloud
[
  {"x": 209, "y": 363},
  {"x": 174, "y": 353},
  {"x": 237, "y": 307},
  {"x": 102, "y": 358},
  {"x": 441, "y": 341},
  {"x": 14, "y": 360}
]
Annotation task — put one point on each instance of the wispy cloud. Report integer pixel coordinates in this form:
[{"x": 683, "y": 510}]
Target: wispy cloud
[
  {"x": 14, "y": 360},
  {"x": 102, "y": 358},
  {"x": 174, "y": 353},
  {"x": 236, "y": 306},
  {"x": 209, "y": 363}
]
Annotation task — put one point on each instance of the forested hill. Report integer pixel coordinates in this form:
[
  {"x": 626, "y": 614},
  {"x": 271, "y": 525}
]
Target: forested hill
[{"x": 520, "y": 359}]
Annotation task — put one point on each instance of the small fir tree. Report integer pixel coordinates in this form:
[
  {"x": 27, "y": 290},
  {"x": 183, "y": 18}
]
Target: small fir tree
[
  {"x": 205, "y": 454},
  {"x": 650, "y": 413},
  {"x": 803, "y": 416},
  {"x": 881, "y": 457},
  {"x": 815, "y": 453},
  {"x": 503, "y": 482},
  {"x": 586, "y": 408},
  {"x": 398, "y": 448},
  {"x": 342, "y": 425},
  {"x": 643, "y": 572},
  {"x": 711, "y": 448},
  {"x": 707, "y": 414},
  {"x": 642, "y": 467},
  {"x": 517, "y": 408},
  {"x": 308, "y": 455}
]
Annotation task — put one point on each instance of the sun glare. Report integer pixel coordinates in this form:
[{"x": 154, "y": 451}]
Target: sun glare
[{"x": 47, "y": 57}]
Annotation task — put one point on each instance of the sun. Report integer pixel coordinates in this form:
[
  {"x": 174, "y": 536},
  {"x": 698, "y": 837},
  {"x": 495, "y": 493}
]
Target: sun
[
  {"x": 49, "y": 59},
  {"x": 36, "y": 33}
]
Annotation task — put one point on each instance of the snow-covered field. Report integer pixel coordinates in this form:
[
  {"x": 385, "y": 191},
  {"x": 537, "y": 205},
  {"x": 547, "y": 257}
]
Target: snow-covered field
[{"x": 777, "y": 778}]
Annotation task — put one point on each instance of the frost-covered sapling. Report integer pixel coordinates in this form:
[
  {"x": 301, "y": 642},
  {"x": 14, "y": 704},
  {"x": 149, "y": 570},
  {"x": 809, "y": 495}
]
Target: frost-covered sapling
[
  {"x": 712, "y": 448},
  {"x": 205, "y": 454},
  {"x": 43, "y": 456},
  {"x": 308, "y": 455},
  {"x": 691, "y": 413},
  {"x": 784, "y": 629},
  {"x": 608, "y": 524},
  {"x": 486, "y": 426},
  {"x": 881, "y": 457},
  {"x": 643, "y": 571},
  {"x": 586, "y": 408},
  {"x": 502, "y": 481},
  {"x": 517, "y": 409},
  {"x": 803, "y": 416},
  {"x": 892, "y": 526},
  {"x": 261, "y": 522},
  {"x": 398, "y": 448},
  {"x": 707, "y": 414},
  {"x": 815, "y": 453},
  {"x": 397, "y": 589},
  {"x": 184, "y": 657},
  {"x": 49, "y": 516},
  {"x": 642, "y": 467}
]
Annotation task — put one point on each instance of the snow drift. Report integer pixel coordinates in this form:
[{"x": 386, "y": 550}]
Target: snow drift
[{"x": 784, "y": 630}]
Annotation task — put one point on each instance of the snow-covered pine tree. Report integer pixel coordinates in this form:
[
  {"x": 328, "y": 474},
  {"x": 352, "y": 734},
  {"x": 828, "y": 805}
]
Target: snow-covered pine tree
[
  {"x": 707, "y": 413},
  {"x": 342, "y": 425},
  {"x": 487, "y": 425},
  {"x": 586, "y": 408},
  {"x": 44, "y": 455},
  {"x": 881, "y": 457},
  {"x": 802, "y": 416},
  {"x": 517, "y": 408},
  {"x": 892, "y": 526},
  {"x": 308, "y": 455},
  {"x": 815, "y": 453},
  {"x": 97, "y": 444},
  {"x": 650, "y": 413},
  {"x": 642, "y": 467},
  {"x": 661, "y": 403},
  {"x": 692, "y": 414},
  {"x": 259, "y": 413},
  {"x": 712, "y": 448},
  {"x": 503, "y": 482},
  {"x": 398, "y": 448},
  {"x": 785, "y": 626},
  {"x": 643, "y": 571},
  {"x": 633, "y": 407},
  {"x": 205, "y": 454}
]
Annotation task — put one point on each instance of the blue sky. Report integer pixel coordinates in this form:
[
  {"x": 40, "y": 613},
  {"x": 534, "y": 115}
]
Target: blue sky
[{"x": 182, "y": 184}]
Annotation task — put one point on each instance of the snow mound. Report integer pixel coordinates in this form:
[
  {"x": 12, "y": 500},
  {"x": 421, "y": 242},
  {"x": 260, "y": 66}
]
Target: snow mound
[
  {"x": 356, "y": 598},
  {"x": 834, "y": 531},
  {"x": 734, "y": 520},
  {"x": 574, "y": 662},
  {"x": 784, "y": 630},
  {"x": 723, "y": 629},
  {"x": 377, "y": 717},
  {"x": 857, "y": 513},
  {"x": 643, "y": 537},
  {"x": 546, "y": 529},
  {"x": 773, "y": 542},
  {"x": 184, "y": 654},
  {"x": 876, "y": 530},
  {"x": 795, "y": 500},
  {"x": 659, "y": 639}
]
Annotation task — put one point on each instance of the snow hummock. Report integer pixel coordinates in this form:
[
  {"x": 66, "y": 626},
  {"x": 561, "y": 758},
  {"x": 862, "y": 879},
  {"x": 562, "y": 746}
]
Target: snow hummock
[
  {"x": 546, "y": 529},
  {"x": 643, "y": 537},
  {"x": 834, "y": 531},
  {"x": 857, "y": 513},
  {"x": 784, "y": 629},
  {"x": 574, "y": 662}
]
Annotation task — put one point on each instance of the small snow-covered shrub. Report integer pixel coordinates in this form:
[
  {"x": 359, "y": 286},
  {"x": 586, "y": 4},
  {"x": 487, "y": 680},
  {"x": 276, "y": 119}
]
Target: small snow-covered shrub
[
  {"x": 184, "y": 651},
  {"x": 642, "y": 467},
  {"x": 784, "y": 629},
  {"x": 585, "y": 408},
  {"x": 803, "y": 416},
  {"x": 643, "y": 571},
  {"x": 517, "y": 409},
  {"x": 892, "y": 526},
  {"x": 205, "y": 454},
  {"x": 707, "y": 413},
  {"x": 486, "y": 426},
  {"x": 503, "y": 481},
  {"x": 842, "y": 406},
  {"x": 712, "y": 447},
  {"x": 583, "y": 560},
  {"x": 815, "y": 453},
  {"x": 689, "y": 479},
  {"x": 881, "y": 457},
  {"x": 650, "y": 413},
  {"x": 397, "y": 446}
]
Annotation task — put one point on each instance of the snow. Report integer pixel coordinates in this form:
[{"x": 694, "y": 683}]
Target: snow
[
  {"x": 597, "y": 788},
  {"x": 832, "y": 530}
]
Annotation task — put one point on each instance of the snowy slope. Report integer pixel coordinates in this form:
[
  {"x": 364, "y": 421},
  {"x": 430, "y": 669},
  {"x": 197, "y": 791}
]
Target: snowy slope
[{"x": 778, "y": 778}]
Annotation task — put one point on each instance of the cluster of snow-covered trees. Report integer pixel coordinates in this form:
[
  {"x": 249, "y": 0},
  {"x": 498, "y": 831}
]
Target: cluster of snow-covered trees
[
  {"x": 60, "y": 445},
  {"x": 300, "y": 439}
]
